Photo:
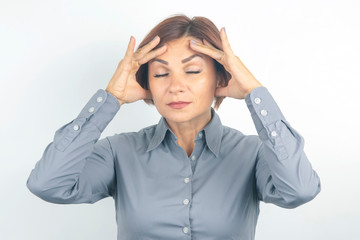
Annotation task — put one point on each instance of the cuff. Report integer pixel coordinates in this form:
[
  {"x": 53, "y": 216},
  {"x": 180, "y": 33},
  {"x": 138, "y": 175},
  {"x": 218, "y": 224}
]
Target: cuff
[
  {"x": 100, "y": 109},
  {"x": 264, "y": 111}
]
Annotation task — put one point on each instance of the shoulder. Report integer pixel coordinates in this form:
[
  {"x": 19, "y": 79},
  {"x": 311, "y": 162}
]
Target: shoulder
[
  {"x": 232, "y": 137},
  {"x": 139, "y": 139},
  {"x": 236, "y": 144}
]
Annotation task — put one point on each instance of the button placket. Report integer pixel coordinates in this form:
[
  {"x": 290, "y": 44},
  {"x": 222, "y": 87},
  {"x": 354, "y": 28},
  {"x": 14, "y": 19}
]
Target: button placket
[
  {"x": 186, "y": 201},
  {"x": 273, "y": 133}
]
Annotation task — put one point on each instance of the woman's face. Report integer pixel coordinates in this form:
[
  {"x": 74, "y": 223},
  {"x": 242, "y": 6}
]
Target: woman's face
[{"x": 182, "y": 82}]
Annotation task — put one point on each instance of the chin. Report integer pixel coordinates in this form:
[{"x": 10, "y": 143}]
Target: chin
[
  {"x": 176, "y": 116},
  {"x": 183, "y": 116}
]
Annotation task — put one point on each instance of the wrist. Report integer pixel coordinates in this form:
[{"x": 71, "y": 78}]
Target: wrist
[
  {"x": 252, "y": 88},
  {"x": 121, "y": 102},
  {"x": 110, "y": 92}
]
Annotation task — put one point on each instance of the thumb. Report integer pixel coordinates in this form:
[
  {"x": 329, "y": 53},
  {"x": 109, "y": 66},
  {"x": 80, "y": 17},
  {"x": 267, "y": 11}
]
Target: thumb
[{"x": 221, "y": 92}]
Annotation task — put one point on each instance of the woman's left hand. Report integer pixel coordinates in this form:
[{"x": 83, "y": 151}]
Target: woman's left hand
[{"x": 242, "y": 81}]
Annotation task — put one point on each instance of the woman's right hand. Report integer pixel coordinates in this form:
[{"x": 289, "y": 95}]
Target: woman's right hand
[{"x": 123, "y": 84}]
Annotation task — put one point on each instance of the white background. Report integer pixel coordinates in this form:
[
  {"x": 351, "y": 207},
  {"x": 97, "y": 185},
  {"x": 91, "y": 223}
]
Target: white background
[{"x": 54, "y": 55}]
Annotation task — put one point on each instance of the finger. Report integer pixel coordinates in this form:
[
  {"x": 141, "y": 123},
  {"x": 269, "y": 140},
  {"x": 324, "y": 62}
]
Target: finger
[
  {"x": 153, "y": 54},
  {"x": 130, "y": 50},
  {"x": 216, "y": 54},
  {"x": 128, "y": 63},
  {"x": 147, "y": 48},
  {"x": 221, "y": 55},
  {"x": 225, "y": 41},
  {"x": 207, "y": 43},
  {"x": 124, "y": 66}
]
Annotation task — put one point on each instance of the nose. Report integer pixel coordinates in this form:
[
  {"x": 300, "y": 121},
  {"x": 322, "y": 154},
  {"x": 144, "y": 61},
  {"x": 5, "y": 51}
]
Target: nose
[{"x": 177, "y": 84}]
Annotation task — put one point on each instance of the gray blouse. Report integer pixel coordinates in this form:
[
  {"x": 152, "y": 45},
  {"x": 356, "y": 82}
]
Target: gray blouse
[{"x": 160, "y": 192}]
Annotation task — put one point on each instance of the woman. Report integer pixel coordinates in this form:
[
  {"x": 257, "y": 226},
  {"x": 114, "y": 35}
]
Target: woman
[{"x": 187, "y": 177}]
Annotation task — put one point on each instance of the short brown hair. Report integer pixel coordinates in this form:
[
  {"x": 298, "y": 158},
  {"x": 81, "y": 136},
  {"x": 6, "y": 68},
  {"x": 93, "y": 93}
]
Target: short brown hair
[{"x": 178, "y": 26}]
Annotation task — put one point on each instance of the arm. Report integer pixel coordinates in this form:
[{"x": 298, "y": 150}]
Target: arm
[
  {"x": 76, "y": 167},
  {"x": 284, "y": 175}
]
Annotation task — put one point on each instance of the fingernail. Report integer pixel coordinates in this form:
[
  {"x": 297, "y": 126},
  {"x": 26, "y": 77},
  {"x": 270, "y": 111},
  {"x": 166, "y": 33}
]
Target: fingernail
[
  {"x": 193, "y": 42},
  {"x": 224, "y": 30},
  {"x": 155, "y": 37}
]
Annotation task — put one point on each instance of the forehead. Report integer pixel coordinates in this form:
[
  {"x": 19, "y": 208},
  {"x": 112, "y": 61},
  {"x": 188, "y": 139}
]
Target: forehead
[
  {"x": 180, "y": 49},
  {"x": 184, "y": 41}
]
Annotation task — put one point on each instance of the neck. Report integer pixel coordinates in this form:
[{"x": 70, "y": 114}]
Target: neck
[{"x": 186, "y": 131}]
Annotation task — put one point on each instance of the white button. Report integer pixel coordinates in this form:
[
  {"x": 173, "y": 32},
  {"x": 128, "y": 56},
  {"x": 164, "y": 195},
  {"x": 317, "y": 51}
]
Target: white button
[
  {"x": 193, "y": 157},
  {"x": 91, "y": 109},
  {"x": 186, "y": 201},
  {"x": 186, "y": 180},
  {"x": 263, "y": 112},
  {"x": 200, "y": 135},
  {"x": 76, "y": 127},
  {"x": 99, "y": 99},
  {"x": 257, "y": 100},
  {"x": 273, "y": 133},
  {"x": 185, "y": 230}
]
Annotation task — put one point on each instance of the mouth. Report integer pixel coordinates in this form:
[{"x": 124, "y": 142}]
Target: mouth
[{"x": 178, "y": 105}]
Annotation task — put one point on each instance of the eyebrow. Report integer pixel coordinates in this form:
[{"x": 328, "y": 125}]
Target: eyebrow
[{"x": 183, "y": 61}]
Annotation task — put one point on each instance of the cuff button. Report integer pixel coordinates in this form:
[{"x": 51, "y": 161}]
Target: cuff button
[
  {"x": 263, "y": 112},
  {"x": 257, "y": 100},
  {"x": 99, "y": 99}
]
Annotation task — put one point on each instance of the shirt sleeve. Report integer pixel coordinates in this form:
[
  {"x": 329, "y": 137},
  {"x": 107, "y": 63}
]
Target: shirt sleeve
[
  {"x": 284, "y": 175},
  {"x": 77, "y": 167}
]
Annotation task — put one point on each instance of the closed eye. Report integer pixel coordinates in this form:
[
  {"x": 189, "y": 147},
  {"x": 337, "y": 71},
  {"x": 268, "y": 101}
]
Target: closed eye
[{"x": 163, "y": 75}]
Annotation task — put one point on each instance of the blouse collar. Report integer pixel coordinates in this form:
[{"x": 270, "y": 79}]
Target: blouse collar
[{"x": 212, "y": 131}]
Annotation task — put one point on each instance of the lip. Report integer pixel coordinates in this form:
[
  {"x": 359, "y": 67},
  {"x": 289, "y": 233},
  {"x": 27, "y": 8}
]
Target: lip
[{"x": 178, "y": 105}]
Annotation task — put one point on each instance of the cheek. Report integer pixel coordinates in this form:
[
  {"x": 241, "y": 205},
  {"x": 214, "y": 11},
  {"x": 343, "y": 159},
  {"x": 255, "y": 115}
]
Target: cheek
[
  {"x": 207, "y": 85},
  {"x": 155, "y": 90}
]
